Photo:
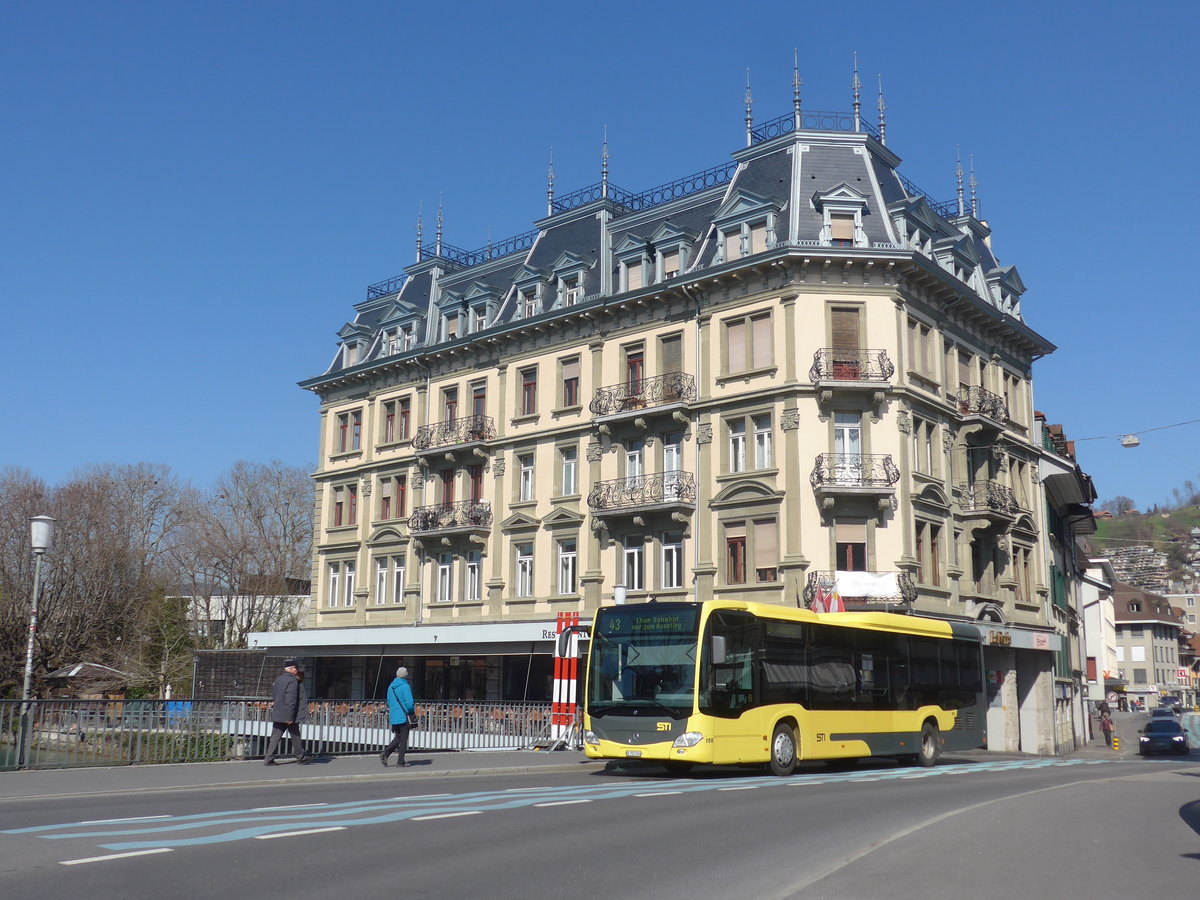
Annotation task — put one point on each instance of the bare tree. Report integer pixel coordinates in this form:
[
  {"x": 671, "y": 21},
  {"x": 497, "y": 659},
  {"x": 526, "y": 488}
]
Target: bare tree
[{"x": 247, "y": 551}]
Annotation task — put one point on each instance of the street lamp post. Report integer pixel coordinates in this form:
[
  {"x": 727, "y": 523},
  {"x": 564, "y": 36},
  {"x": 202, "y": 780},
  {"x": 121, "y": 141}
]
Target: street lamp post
[{"x": 41, "y": 532}]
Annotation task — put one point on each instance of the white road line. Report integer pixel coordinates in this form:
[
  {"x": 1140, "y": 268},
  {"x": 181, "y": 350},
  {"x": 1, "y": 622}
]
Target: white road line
[
  {"x": 116, "y": 821},
  {"x": 749, "y": 787},
  {"x": 469, "y": 812},
  {"x": 268, "y": 837},
  {"x": 91, "y": 859},
  {"x": 296, "y": 806},
  {"x": 562, "y": 803},
  {"x": 420, "y": 797},
  {"x": 525, "y": 790},
  {"x": 658, "y": 794}
]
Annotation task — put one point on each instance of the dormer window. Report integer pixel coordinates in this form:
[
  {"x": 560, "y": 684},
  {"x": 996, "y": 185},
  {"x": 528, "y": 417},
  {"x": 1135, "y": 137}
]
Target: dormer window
[
  {"x": 391, "y": 342},
  {"x": 670, "y": 263},
  {"x": 572, "y": 293},
  {"x": 408, "y": 337},
  {"x": 350, "y": 355},
  {"x": 478, "y": 318},
  {"x": 842, "y": 210},
  {"x": 1135, "y": 606},
  {"x": 451, "y": 325},
  {"x": 528, "y": 303}
]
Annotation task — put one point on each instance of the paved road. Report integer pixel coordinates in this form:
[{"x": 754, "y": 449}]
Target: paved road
[{"x": 972, "y": 827}]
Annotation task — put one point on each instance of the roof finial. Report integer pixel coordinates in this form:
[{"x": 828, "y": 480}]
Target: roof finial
[
  {"x": 420, "y": 216},
  {"x": 796, "y": 84},
  {"x": 882, "y": 121},
  {"x": 958, "y": 173},
  {"x": 749, "y": 114},
  {"x": 856, "y": 85},
  {"x": 974, "y": 184},
  {"x": 550, "y": 186},
  {"x": 437, "y": 247},
  {"x": 604, "y": 165}
]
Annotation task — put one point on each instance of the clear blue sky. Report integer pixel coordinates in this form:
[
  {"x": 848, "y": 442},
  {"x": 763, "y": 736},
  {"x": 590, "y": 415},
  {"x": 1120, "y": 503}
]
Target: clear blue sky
[{"x": 193, "y": 195}]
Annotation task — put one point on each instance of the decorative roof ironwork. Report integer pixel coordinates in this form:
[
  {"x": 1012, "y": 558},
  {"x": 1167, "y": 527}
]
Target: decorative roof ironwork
[{"x": 810, "y": 120}]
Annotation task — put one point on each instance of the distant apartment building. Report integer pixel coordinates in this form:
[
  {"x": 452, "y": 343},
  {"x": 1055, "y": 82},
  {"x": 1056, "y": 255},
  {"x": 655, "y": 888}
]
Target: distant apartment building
[{"x": 1149, "y": 633}]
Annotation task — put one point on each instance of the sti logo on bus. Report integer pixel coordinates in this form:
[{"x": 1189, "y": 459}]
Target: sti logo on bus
[{"x": 663, "y": 726}]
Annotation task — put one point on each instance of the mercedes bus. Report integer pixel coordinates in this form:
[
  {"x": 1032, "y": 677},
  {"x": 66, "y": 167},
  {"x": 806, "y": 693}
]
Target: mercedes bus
[{"x": 736, "y": 683}]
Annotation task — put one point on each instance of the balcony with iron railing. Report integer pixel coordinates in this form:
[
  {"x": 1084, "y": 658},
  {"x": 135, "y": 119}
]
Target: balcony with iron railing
[
  {"x": 459, "y": 433},
  {"x": 827, "y": 591},
  {"x": 977, "y": 401},
  {"x": 633, "y": 397},
  {"x": 463, "y": 516},
  {"x": 989, "y": 499},
  {"x": 831, "y": 364},
  {"x": 643, "y": 493},
  {"x": 854, "y": 475}
]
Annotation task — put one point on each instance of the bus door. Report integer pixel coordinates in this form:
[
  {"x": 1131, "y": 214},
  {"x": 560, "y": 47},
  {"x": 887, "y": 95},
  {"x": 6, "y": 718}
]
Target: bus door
[{"x": 729, "y": 692}]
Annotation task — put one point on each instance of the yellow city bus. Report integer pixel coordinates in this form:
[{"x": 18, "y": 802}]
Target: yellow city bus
[{"x": 731, "y": 683}]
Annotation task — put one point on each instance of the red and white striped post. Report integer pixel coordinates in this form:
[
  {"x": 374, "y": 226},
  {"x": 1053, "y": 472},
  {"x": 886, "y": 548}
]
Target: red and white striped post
[{"x": 566, "y": 676}]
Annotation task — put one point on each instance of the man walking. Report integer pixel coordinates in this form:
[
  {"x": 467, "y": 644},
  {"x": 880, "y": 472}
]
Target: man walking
[
  {"x": 289, "y": 709},
  {"x": 401, "y": 711}
]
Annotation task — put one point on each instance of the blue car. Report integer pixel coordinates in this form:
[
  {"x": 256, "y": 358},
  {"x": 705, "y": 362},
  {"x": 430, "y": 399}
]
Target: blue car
[{"x": 1163, "y": 736}]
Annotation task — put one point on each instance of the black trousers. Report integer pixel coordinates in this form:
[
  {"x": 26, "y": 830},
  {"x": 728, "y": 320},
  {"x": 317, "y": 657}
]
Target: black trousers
[
  {"x": 277, "y": 730},
  {"x": 399, "y": 743}
]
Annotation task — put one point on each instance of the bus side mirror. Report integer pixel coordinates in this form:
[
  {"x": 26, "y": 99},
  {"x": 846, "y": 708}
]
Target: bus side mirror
[{"x": 718, "y": 649}]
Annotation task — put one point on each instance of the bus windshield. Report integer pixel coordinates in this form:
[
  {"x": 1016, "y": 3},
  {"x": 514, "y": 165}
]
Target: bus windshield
[{"x": 643, "y": 658}]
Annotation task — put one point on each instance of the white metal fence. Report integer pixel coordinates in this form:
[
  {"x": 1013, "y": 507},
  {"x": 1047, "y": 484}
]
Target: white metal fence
[{"x": 70, "y": 733}]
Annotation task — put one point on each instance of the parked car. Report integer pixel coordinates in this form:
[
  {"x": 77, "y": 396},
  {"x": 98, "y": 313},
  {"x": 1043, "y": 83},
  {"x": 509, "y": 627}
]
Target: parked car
[
  {"x": 1163, "y": 713},
  {"x": 1163, "y": 736}
]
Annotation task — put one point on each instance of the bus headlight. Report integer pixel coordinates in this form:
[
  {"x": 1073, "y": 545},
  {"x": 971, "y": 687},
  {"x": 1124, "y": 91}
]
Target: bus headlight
[
  {"x": 688, "y": 739},
  {"x": 589, "y": 737}
]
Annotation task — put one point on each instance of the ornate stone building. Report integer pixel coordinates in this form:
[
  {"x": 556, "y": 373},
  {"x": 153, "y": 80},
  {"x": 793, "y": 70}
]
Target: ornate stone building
[{"x": 790, "y": 378}]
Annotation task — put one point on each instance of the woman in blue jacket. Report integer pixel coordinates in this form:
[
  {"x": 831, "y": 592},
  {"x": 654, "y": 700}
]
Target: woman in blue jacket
[{"x": 401, "y": 713}]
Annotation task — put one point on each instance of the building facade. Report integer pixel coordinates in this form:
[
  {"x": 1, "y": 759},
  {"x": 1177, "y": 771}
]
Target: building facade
[
  {"x": 1149, "y": 635},
  {"x": 787, "y": 378}
]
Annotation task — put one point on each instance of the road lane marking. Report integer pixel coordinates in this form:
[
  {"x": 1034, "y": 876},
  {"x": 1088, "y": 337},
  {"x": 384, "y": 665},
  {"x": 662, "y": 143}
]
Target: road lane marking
[
  {"x": 268, "y": 837},
  {"x": 92, "y": 859},
  {"x": 118, "y": 821},
  {"x": 749, "y": 787},
  {"x": 658, "y": 794},
  {"x": 562, "y": 803},
  {"x": 296, "y": 806},
  {"x": 420, "y": 797},
  {"x": 451, "y": 815},
  {"x": 525, "y": 790}
]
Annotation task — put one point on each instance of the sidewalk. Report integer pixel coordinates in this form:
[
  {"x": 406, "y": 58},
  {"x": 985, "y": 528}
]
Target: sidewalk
[{"x": 123, "y": 779}]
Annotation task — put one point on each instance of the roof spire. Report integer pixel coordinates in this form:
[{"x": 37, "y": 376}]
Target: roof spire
[
  {"x": 882, "y": 122},
  {"x": 958, "y": 172},
  {"x": 796, "y": 85},
  {"x": 856, "y": 85},
  {"x": 420, "y": 216},
  {"x": 974, "y": 184},
  {"x": 437, "y": 247},
  {"x": 749, "y": 114},
  {"x": 550, "y": 186},
  {"x": 604, "y": 165}
]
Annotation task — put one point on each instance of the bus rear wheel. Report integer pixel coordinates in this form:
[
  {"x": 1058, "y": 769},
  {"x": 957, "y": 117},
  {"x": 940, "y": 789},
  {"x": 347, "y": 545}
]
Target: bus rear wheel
[{"x": 783, "y": 750}]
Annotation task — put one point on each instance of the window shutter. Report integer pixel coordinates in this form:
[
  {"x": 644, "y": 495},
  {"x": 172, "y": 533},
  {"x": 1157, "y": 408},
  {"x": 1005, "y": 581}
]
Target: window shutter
[
  {"x": 672, "y": 355},
  {"x": 570, "y": 369},
  {"x": 844, "y": 324},
  {"x": 763, "y": 351},
  {"x": 735, "y": 346},
  {"x": 633, "y": 274},
  {"x": 670, "y": 262},
  {"x": 758, "y": 237},
  {"x": 766, "y": 545},
  {"x": 841, "y": 228},
  {"x": 733, "y": 244}
]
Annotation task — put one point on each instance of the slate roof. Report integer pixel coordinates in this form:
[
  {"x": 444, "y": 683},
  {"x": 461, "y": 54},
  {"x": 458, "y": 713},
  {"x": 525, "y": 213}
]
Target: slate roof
[{"x": 826, "y": 162}]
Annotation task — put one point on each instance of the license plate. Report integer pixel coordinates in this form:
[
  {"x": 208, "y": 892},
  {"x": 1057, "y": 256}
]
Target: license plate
[{"x": 633, "y": 754}]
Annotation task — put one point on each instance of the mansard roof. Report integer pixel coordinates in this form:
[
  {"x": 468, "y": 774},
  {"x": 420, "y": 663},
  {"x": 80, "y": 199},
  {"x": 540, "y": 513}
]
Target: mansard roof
[{"x": 790, "y": 174}]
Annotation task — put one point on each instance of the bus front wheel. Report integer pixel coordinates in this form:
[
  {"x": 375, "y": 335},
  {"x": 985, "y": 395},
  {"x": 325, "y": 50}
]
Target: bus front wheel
[
  {"x": 783, "y": 750},
  {"x": 931, "y": 746}
]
